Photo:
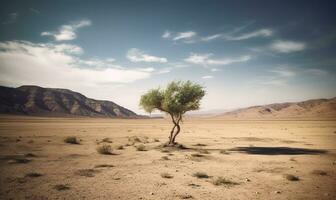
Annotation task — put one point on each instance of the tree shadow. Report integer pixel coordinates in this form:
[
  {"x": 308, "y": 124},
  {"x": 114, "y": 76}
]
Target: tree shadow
[{"x": 278, "y": 150}]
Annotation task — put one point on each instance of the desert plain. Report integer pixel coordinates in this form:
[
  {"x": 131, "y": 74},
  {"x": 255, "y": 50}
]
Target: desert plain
[{"x": 219, "y": 159}]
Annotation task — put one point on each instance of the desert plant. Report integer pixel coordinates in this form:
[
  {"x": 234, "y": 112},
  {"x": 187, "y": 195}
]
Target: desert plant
[
  {"x": 120, "y": 147},
  {"x": 141, "y": 147},
  {"x": 86, "y": 172},
  {"x": 61, "y": 187},
  {"x": 71, "y": 140},
  {"x": 103, "y": 166},
  {"x": 203, "y": 151},
  {"x": 291, "y": 177},
  {"x": 107, "y": 140},
  {"x": 200, "y": 175},
  {"x": 223, "y": 181},
  {"x": 178, "y": 98},
  {"x": 104, "y": 149},
  {"x": 319, "y": 172},
  {"x": 223, "y": 151},
  {"x": 165, "y": 158},
  {"x": 33, "y": 175},
  {"x": 166, "y": 175}
]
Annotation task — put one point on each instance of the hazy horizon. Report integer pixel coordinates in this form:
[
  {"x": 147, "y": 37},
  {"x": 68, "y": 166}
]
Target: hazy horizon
[{"x": 243, "y": 53}]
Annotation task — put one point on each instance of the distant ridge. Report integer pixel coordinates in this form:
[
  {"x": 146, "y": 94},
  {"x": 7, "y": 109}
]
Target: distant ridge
[
  {"x": 39, "y": 101},
  {"x": 315, "y": 108}
]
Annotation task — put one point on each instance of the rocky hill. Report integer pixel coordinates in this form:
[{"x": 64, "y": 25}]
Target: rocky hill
[
  {"x": 316, "y": 108},
  {"x": 38, "y": 101}
]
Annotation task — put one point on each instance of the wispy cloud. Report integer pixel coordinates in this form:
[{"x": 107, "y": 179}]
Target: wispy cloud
[
  {"x": 11, "y": 18},
  {"x": 207, "y": 77},
  {"x": 205, "y": 59},
  {"x": 67, "y": 32},
  {"x": 286, "y": 46},
  {"x": 233, "y": 36},
  {"x": 136, "y": 55},
  {"x": 283, "y": 71},
  {"x": 58, "y": 65},
  {"x": 166, "y": 34},
  {"x": 186, "y": 37},
  {"x": 316, "y": 72}
]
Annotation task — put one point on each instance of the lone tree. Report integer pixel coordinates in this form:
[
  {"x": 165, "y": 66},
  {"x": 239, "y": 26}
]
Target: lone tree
[{"x": 175, "y": 100}]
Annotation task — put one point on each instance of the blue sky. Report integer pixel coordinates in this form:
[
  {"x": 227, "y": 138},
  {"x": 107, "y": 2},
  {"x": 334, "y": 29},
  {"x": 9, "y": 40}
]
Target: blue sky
[{"x": 243, "y": 52}]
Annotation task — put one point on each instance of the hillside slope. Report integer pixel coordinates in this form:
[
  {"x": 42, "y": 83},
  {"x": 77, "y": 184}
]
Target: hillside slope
[
  {"x": 316, "y": 108},
  {"x": 38, "y": 101}
]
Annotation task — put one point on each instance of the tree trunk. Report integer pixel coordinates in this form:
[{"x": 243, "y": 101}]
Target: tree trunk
[
  {"x": 177, "y": 132},
  {"x": 172, "y": 134}
]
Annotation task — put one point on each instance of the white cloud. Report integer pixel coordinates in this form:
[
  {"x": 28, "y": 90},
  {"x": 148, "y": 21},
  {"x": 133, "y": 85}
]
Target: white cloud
[
  {"x": 53, "y": 65},
  {"x": 283, "y": 72},
  {"x": 166, "y": 34},
  {"x": 282, "y": 46},
  {"x": 212, "y": 37},
  {"x": 136, "y": 55},
  {"x": 258, "y": 33},
  {"x": 11, "y": 18},
  {"x": 204, "y": 59},
  {"x": 184, "y": 35},
  {"x": 215, "y": 70},
  {"x": 67, "y": 32},
  {"x": 207, "y": 77},
  {"x": 316, "y": 72}
]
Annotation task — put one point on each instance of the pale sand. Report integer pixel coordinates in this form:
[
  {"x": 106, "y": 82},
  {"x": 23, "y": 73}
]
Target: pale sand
[{"x": 137, "y": 174}]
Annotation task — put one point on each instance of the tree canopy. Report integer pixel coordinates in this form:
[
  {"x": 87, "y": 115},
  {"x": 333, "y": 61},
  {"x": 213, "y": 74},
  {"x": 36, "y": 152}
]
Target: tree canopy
[{"x": 176, "y": 99}]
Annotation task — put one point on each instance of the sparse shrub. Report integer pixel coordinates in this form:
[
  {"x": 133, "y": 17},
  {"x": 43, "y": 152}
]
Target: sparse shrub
[
  {"x": 200, "y": 175},
  {"x": 61, "y": 187},
  {"x": 186, "y": 196},
  {"x": 107, "y": 140},
  {"x": 71, "y": 140},
  {"x": 156, "y": 140},
  {"x": 319, "y": 172},
  {"x": 141, "y": 147},
  {"x": 19, "y": 161},
  {"x": 120, "y": 147},
  {"x": 223, "y": 181},
  {"x": 165, "y": 158},
  {"x": 165, "y": 151},
  {"x": 203, "y": 151},
  {"x": 291, "y": 177},
  {"x": 197, "y": 155},
  {"x": 33, "y": 175},
  {"x": 104, "y": 149},
  {"x": 223, "y": 151},
  {"x": 103, "y": 166},
  {"x": 29, "y": 155},
  {"x": 134, "y": 139},
  {"x": 86, "y": 172},
  {"x": 166, "y": 175},
  {"x": 200, "y": 145}
]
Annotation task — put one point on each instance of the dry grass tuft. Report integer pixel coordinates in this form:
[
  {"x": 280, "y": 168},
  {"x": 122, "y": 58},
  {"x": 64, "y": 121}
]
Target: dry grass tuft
[
  {"x": 86, "y": 172},
  {"x": 71, "y": 140},
  {"x": 165, "y": 158},
  {"x": 203, "y": 151},
  {"x": 291, "y": 177},
  {"x": 61, "y": 187},
  {"x": 223, "y": 151},
  {"x": 120, "y": 147},
  {"x": 33, "y": 175},
  {"x": 103, "y": 166},
  {"x": 200, "y": 175},
  {"x": 319, "y": 172},
  {"x": 166, "y": 175},
  {"x": 141, "y": 147},
  {"x": 197, "y": 155},
  {"x": 223, "y": 181},
  {"x": 105, "y": 149}
]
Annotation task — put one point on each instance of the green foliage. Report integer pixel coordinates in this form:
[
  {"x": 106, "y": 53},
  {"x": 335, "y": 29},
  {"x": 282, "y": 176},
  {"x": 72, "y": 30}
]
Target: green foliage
[{"x": 178, "y": 98}]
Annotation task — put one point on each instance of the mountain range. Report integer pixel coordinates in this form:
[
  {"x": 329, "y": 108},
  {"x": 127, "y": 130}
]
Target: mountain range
[{"x": 39, "y": 101}]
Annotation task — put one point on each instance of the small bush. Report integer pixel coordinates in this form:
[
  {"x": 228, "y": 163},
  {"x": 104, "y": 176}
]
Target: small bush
[
  {"x": 319, "y": 172},
  {"x": 33, "y": 175},
  {"x": 106, "y": 140},
  {"x": 103, "y": 166},
  {"x": 104, "y": 149},
  {"x": 61, "y": 187},
  {"x": 200, "y": 175},
  {"x": 223, "y": 151},
  {"x": 197, "y": 155},
  {"x": 156, "y": 140},
  {"x": 71, "y": 140},
  {"x": 166, "y": 175},
  {"x": 203, "y": 151},
  {"x": 86, "y": 172},
  {"x": 165, "y": 151},
  {"x": 141, "y": 147},
  {"x": 120, "y": 147},
  {"x": 223, "y": 181},
  {"x": 165, "y": 158},
  {"x": 291, "y": 177}
]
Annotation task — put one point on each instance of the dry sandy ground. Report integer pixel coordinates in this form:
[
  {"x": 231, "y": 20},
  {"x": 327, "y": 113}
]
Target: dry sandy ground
[{"x": 258, "y": 156}]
